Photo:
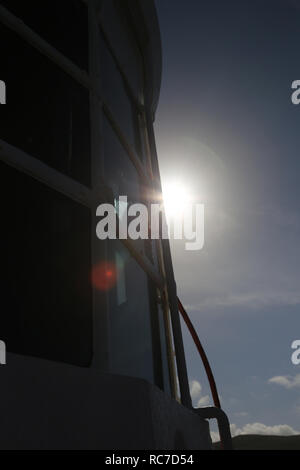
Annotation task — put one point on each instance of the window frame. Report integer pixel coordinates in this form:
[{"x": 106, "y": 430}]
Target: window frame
[
  {"x": 93, "y": 196},
  {"x": 53, "y": 178}
]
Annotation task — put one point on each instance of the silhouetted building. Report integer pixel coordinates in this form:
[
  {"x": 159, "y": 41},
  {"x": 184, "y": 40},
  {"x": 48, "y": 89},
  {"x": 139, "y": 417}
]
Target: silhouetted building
[{"x": 84, "y": 320}]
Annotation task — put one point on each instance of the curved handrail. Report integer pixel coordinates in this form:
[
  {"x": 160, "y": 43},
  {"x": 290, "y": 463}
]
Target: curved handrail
[
  {"x": 202, "y": 353},
  {"x": 224, "y": 428}
]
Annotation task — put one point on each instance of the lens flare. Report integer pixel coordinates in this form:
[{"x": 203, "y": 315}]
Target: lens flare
[{"x": 104, "y": 276}]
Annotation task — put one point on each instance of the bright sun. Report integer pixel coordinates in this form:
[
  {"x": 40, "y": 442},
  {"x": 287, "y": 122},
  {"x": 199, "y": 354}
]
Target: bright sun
[{"x": 176, "y": 196}]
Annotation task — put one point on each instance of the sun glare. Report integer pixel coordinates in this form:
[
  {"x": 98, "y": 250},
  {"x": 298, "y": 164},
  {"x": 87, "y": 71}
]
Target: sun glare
[{"x": 175, "y": 196}]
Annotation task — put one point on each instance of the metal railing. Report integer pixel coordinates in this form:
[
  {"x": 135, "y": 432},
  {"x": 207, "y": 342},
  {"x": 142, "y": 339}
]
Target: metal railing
[{"x": 211, "y": 412}]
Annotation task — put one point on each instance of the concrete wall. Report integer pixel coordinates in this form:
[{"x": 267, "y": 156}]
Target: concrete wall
[{"x": 45, "y": 405}]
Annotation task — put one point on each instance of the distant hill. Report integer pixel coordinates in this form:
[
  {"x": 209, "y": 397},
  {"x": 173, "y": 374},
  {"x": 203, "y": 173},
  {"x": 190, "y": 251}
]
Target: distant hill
[{"x": 261, "y": 442}]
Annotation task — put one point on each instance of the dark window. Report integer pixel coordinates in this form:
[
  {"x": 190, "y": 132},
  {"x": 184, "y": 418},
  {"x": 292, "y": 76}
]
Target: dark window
[
  {"x": 116, "y": 96},
  {"x": 129, "y": 317},
  {"x": 120, "y": 175},
  {"x": 114, "y": 18},
  {"x": 62, "y": 23},
  {"x": 47, "y": 112},
  {"x": 46, "y": 301},
  {"x": 119, "y": 171}
]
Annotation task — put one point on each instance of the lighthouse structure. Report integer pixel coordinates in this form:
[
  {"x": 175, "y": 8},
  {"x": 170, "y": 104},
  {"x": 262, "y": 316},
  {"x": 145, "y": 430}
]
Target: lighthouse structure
[{"x": 94, "y": 350}]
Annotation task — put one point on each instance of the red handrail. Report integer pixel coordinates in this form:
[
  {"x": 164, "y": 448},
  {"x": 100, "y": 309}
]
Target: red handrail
[{"x": 202, "y": 353}]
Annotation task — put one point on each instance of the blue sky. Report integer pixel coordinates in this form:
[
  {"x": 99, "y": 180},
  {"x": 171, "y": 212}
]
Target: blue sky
[{"x": 227, "y": 129}]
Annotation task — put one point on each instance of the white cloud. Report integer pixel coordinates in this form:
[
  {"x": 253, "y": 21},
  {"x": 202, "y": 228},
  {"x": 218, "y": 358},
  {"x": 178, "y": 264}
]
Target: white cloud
[
  {"x": 195, "y": 389},
  {"x": 196, "y": 394},
  {"x": 286, "y": 381},
  {"x": 253, "y": 300},
  {"x": 241, "y": 414},
  {"x": 259, "y": 428},
  {"x": 203, "y": 401}
]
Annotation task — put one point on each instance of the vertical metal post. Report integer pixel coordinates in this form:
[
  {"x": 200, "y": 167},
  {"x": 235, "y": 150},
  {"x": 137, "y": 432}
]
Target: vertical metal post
[
  {"x": 172, "y": 291},
  {"x": 176, "y": 326}
]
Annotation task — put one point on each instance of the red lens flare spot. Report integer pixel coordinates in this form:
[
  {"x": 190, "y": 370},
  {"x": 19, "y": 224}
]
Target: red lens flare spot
[{"x": 104, "y": 276}]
